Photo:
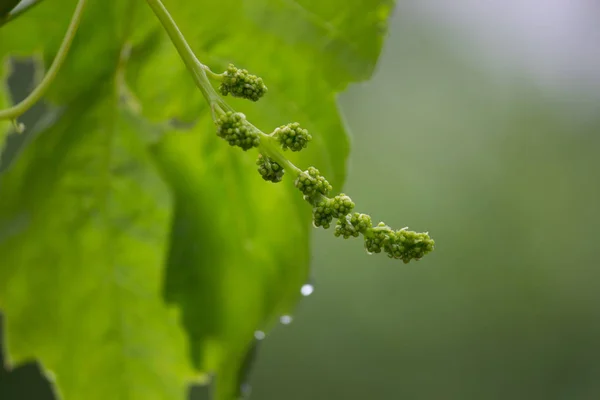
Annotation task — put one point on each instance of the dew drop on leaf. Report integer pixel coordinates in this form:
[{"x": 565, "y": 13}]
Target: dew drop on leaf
[{"x": 307, "y": 289}]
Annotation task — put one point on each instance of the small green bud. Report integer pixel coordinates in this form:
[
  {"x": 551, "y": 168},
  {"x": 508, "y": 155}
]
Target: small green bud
[
  {"x": 352, "y": 225},
  {"x": 323, "y": 213},
  {"x": 408, "y": 245},
  {"x": 269, "y": 169},
  {"x": 239, "y": 83},
  {"x": 341, "y": 205},
  {"x": 236, "y": 131},
  {"x": 377, "y": 237},
  {"x": 311, "y": 183},
  {"x": 292, "y": 136},
  {"x": 327, "y": 209}
]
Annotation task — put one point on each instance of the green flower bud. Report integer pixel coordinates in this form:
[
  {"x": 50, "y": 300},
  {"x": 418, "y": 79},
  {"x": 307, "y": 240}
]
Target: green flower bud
[
  {"x": 323, "y": 213},
  {"x": 236, "y": 131},
  {"x": 408, "y": 245},
  {"x": 311, "y": 183},
  {"x": 341, "y": 205},
  {"x": 239, "y": 83},
  {"x": 269, "y": 169},
  {"x": 292, "y": 136},
  {"x": 352, "y": 225},
  {"x": 376, "y": 238}
]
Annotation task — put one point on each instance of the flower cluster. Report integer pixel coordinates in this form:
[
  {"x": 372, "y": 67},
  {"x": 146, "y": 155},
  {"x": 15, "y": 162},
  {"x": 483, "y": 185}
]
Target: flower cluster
[
  {"x": 292, "y": 136},
  {"x": 403, "y": 244},
  {"x": 326, "y": 209},
  {"x": 269, "y": 169},
  {"x": 311, "y": 183},
  {"x": 239, "y": 83},
  {"x": 400, "y": 244},
  {"x": 234, "y": 128},
  {"x": 352, "y": 225},
  {"x": 341, "y": 205}
]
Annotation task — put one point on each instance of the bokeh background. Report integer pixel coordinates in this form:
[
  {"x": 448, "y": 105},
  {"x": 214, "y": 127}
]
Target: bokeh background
[{"x": 481, "y": 126}]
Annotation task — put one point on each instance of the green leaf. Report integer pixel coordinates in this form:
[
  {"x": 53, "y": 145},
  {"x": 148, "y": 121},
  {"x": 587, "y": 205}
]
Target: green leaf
[
  {"x": 240, "y": 248},
  {"x": 306, "y": 53},
  {"x": 343, "y": 38},
  {"x": 83, "y": 231},
  {"x": 107, "y": 28},
  {"x": 39, "y": 32},
  {"x": 239, "y": 252},
  {"x": 84, "y": 220}
]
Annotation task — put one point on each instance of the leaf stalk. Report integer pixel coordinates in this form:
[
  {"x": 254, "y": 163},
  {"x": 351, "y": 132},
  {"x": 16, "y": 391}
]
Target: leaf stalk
[{"x": 19, "y": 109}]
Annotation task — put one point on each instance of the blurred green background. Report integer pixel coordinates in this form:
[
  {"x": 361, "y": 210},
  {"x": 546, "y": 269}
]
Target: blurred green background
[
  {"x": 500, "y": 163},
  {"x": 504, "y": 174}
]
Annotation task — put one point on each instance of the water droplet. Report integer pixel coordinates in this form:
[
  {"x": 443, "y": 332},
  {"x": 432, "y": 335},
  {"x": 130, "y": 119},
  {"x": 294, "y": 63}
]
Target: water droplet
[
  {"x": 314, "y": 225},
  {"x": 286, "y": 319},
  {"x": 307, "y": 289},
  {"x": 245, "y": 390},
  {"x": 369, "y": 253},
  {"x": 259, "y": 335}
]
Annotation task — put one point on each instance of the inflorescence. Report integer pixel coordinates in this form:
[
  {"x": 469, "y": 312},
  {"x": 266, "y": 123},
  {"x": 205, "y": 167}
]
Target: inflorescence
[
  {"x": 233, "y": 127},
  {"x": 269, "y": 169},
  {"x": 292, "y": 136},
  {"x": 239, "y": 83},
  {"x": 312, "y": 184}
]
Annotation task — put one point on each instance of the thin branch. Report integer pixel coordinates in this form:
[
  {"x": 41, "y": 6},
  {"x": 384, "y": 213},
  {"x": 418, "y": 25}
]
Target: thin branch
[
  {"x": 195, "y": 67},
  {"x": 17, "y": 110},
  {"x": 23, "y": 6}
]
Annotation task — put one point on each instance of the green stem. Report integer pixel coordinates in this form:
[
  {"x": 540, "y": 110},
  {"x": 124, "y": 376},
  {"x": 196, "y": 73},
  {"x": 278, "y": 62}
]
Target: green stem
[
  {"x": 212, "y": 75},
  {"x": 269, "y": 147},
  {"x": 17, "y": 110},
  {"x": 199, "y": 71},
  {"x": 18, "y": 10},
  {"x": 196, "y": 68}
]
